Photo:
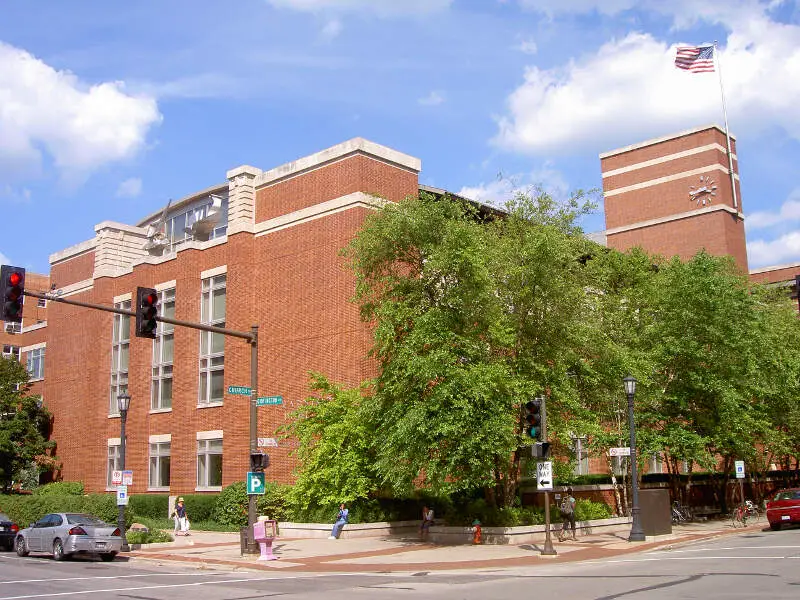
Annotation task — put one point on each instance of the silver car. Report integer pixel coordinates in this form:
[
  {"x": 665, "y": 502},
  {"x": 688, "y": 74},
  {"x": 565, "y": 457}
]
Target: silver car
[{"x": 63, "y": 534}]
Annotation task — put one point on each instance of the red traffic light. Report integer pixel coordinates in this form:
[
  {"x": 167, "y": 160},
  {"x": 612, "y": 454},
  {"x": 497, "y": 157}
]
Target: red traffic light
[
  {"x": 146, "y": 312},
  {"x": 12, "y": 289},
  {"x": 15, "y": 278}
]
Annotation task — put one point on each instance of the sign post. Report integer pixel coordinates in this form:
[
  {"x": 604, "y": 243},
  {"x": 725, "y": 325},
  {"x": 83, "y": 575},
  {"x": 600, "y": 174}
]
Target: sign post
[
  {"x": 122, "y": 495},
  {"x": 740, "y": 477}
]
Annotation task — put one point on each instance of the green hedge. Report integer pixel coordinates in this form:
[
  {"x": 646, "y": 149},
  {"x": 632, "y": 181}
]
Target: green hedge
[
  {"x": 26, "y": 509},
  {"x": 60, "y": 488},
  {"x": 152, "y": 506}
]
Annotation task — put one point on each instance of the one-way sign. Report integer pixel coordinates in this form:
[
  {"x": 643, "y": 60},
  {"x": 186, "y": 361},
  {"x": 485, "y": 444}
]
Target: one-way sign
[{"x": 544, "y": 476}]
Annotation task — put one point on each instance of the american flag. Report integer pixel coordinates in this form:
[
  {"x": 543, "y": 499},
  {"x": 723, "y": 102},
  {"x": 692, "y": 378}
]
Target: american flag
[{"x": 697, "y": 59}]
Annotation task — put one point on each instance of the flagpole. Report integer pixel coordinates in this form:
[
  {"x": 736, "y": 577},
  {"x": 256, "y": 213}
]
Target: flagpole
[{"x": 727, "y": 134}]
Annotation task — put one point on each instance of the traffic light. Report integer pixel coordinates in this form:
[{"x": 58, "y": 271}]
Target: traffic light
[
  {"x": 259, "y": 461},
  {"x": 146, "y": 312},
  {"x": 533, "y": 419},
  {"x": 12, "y": 286}
]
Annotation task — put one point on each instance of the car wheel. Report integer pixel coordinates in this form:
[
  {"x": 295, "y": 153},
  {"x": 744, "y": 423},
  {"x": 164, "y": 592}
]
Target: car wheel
[
  {"x": 58, "y": 550},
  {"x": 108, "y": 556},
  {"x": 775, "y": 526},
  {"x": 22, "y": 547}
]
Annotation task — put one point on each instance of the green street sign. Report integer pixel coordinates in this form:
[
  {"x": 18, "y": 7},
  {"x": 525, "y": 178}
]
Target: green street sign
[
  {"x": 239, "y": 390},
  {"x": 269, "y": 400},
  {"x": 255, "y": 483}
]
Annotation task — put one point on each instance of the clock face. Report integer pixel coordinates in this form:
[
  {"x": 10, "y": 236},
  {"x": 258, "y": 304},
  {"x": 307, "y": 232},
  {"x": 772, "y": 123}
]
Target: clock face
[{"x": 704, "y": 191}]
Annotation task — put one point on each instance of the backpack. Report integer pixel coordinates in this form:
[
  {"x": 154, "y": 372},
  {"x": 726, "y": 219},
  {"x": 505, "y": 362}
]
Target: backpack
[{"x": 566, "y": 507}]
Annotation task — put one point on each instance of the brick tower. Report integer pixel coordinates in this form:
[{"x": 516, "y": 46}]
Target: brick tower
[{"x": 672, "y": 196}]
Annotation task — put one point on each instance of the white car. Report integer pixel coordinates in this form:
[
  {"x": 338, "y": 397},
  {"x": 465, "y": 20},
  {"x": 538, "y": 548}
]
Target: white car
[{"x": 64, "y": 534}]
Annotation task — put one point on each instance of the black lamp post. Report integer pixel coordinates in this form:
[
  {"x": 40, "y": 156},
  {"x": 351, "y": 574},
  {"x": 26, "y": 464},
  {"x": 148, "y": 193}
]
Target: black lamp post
[
  {"x": 123, "y": 404},
  {"x": 637, "y": 533}
]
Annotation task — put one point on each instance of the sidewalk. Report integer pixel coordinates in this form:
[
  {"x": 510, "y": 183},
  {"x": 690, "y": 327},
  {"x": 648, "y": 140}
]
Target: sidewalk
[{"x": 404, "y": 555}]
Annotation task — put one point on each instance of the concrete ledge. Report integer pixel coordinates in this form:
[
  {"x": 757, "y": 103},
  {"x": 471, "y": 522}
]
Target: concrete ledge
[
  {"x": 349, "y": 531},
  {"x": 529, "y": 534}
]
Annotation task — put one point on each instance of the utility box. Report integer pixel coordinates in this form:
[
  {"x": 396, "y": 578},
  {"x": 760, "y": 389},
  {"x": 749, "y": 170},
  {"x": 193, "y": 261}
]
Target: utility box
[{"x": 655, "y": 512}]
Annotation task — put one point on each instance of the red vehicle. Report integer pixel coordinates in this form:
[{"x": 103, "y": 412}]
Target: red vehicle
[{"x": 784, "y": 508}]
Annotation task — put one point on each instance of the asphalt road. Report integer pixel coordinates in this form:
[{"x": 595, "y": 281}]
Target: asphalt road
[{"x": 751, "y": 565}]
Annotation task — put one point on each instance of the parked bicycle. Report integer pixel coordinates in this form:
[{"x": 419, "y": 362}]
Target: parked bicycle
[
  {"x": 746, "y": 511},
  {"x": 680, "y": 513}
]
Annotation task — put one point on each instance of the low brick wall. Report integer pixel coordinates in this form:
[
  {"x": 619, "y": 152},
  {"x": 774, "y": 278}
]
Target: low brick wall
[{"x": 444, "y": 535}]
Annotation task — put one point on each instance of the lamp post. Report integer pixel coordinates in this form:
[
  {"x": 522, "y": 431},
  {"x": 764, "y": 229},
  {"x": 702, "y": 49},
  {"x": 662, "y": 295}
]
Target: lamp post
[
  {"x": 123, "y": 404},
  {"x": 637, "y": 533}
]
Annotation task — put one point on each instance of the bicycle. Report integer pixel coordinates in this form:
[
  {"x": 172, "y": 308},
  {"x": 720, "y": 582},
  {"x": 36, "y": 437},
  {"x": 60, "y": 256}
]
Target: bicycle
[
  {"x": 743, "y": 512},
  {"x": 680, "y": 513}
]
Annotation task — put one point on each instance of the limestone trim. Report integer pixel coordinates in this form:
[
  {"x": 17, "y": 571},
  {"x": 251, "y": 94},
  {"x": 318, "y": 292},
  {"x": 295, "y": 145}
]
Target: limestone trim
[
  {"x": 123, "y": 298},
  {"x": 119, "y": 247},
  {"x": 667, "y": 179},
  {"x": 73, "y": 251},
  {"x": 677, "y": 217},
  {"x": 323, "y": 209},
  {"x": 167, "y": 285},
  {"x": 667, "y": 158},
  {"x": 34, "y": 327},
  {"x": 115, "y": 441},
  {"x": 769, "y": 269},
  {"x": 24, "y": 349},
  {"x": 160, "y": 438},
  {"x": 221, "y": 270},
  {"x": 209, "y": 435},
  {"x": 75, "y": 288},
  {"x": 336, "y": 153},
  {"x": 665, "y": 138}
]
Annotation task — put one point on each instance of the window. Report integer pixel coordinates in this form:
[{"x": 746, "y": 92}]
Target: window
[
  {"x": 163, "y": 352},
  {"x": 656, "y": 464},
  {"x": 114, "y": 462},
  {"x": 581, "y": 454},
  {"x": 209, "y": 463},
  {"x": 11, "y": 327},
  {"x": 159, "y": 464},
  {"x": 212, "y": 345},
  {"x": 34, "y": 363},
  {"x": 179, "y": 226},
  {"x": 41, "y": 303},
  {"x": 11, "y": 351},
  {"x": 120, "y": 349}
]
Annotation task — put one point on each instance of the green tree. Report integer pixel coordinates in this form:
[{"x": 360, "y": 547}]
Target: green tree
[
  {"x": 472, "y": 317},
  {"x": 24, "y": 425}
]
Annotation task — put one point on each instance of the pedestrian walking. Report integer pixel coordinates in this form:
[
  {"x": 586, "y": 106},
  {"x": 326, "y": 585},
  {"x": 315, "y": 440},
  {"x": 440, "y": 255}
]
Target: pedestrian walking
[
  {"x": 341, "y": 521},
  {"x": 427, "y": 521},
  {"x": 567, "y": 510},
  {"x": 181, "y": 518}
]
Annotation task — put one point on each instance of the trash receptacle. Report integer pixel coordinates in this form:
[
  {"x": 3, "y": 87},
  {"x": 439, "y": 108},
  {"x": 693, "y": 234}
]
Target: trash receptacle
[{"x": 655, "y": 512}]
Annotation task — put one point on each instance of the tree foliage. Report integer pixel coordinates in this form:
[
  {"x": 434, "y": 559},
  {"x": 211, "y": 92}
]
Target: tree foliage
[{"x": 24, "y": 425}]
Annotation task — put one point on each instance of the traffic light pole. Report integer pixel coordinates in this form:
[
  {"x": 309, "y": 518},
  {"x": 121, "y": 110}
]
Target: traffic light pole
[
  {"x": 548, "y": 549},
  {"x": 251, "y": 337}
]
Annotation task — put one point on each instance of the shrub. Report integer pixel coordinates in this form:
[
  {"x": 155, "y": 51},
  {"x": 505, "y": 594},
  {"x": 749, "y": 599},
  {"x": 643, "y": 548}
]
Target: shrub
[
  {"x": 153, "y": 536},
  {"x": 230, "y": 507},
  {"x": 153, "y": 506},
  {"x": 587, "y": 510},
  {"x": 200, "y": 507},
  {"x": 60, "y": 488}
]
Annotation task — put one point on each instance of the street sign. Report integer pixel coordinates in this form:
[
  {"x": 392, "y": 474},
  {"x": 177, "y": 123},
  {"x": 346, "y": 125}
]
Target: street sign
[
  {"x": 739, "y": 469},
  {"x": 269, "y": 400},
  {"x": 544, "y": 475},
  {"x": 267, "y": 443},
  {"x": 116, "y": 477},
  {"x": 127, "y": 478},
  {"x": 122, "y": 495},
  {"x": 240, "y": 390},
  {"x": 622, "y": 451},
  {"x": 255, "y": 483}
]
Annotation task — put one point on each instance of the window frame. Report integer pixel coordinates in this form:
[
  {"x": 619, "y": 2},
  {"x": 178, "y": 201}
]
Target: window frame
[
  {"x": 158, "y": 457},
  {"x": 120, "y": 347},
  {"x": 34, "y": 363},
  {"x": 113, "y": 462},
  {"x": 211, "y": 364},
  {"x": 163, "y": 370},
  {"x": 207, "y": 447}
]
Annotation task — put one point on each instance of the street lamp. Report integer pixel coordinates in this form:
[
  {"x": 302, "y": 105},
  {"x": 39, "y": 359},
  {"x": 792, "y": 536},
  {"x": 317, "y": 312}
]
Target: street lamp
[
  {"x": 123, "y": 404},
  {"x": 637, "y": 533}
]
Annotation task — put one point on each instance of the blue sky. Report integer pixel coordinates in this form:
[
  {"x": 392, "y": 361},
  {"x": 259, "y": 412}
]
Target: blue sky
[{"x": 108, "y": 109}]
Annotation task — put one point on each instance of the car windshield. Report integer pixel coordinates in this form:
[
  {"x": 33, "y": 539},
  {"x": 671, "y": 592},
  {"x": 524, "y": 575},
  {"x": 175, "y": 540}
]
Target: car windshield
[
  {"x": 76, "y": 519},
  {"x": 4, "y": 517},
  {"x": 788, "y": 495}
]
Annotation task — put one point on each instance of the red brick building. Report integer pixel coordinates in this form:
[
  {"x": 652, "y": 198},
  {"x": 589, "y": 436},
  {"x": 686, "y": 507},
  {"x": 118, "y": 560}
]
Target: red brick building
[{"x": 262, "y": 248}]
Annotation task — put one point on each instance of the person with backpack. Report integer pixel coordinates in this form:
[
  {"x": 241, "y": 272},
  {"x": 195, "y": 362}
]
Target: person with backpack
[{"x": 567, "y": 510}]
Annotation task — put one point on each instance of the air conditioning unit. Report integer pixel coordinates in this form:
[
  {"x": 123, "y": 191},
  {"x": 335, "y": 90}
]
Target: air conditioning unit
[{"x": 12, "y": 328}]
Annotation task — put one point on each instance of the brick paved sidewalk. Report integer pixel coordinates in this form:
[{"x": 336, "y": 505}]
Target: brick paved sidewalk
[{"x": 403, "y": 555}]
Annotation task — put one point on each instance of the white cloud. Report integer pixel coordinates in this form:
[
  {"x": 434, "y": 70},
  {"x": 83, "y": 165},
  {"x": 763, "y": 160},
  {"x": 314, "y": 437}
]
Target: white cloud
[
  {"x": 79, "y": 126},
  {"x": 788, "y": 212},
  {"x": 331, "y": 29},
  {"x": 527, "y": 46},
  {"x": 130, "y": 188},
  {"x": 379, "y": 7},
  {"x": 630, "y": 89},
  {"x": 504, "y": 188},
  {"x": 17, "y": 196},
  {"x": 433, "y": 99},
  {"x": 4, "y": 260},
  {"x": 783, "y": 249}
]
